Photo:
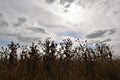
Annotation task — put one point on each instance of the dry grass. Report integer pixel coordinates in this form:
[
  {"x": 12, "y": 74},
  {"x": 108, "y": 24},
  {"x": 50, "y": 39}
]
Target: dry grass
[{"x": 92, "y": 64}]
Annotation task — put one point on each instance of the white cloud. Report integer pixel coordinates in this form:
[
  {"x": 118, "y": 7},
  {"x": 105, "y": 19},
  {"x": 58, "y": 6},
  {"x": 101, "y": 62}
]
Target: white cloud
[{"x": 57, "y": 18}]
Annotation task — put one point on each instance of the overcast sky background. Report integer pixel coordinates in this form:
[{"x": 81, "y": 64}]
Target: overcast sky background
[{"x": 31, "y": 20}]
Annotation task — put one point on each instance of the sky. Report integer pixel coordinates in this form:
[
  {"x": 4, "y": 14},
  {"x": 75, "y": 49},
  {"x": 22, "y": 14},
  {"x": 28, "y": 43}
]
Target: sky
[{"x": 30, "y": 20}]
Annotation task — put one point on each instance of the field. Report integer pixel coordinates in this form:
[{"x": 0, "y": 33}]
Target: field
[{"x": 80, "y": 63}]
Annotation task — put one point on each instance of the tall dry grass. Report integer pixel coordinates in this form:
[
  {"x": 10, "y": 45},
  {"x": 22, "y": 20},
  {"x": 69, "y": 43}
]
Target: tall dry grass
[{"x": 80, "y": 63}]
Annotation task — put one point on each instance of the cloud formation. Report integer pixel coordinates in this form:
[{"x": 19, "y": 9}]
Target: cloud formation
[
  {"x": 3, "y": 24},
  {"x": 1, "y": 15},
  {"x": 28, "y": 20},
  {"x": 37, "y": 30},
  {"x": 21, "y": 20},
  {"x": 100, "y": 33},
  {"x": 50, "y": 1},
  {"x": 107, "y": 40}
]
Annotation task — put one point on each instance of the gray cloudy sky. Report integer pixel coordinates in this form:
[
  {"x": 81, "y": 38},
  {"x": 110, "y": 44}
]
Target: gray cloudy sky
[{"x": 29, "y": 20}]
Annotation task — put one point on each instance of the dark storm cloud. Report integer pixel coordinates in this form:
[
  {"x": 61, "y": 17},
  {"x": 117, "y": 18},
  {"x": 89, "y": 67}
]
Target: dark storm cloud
[
  {"x": 37, "y": 29},
  {"x": 3, "y": 23},
  {"x": 96, "y": 34},
  {"x": 21, "y": 20},
  {"x": 50, "y": 1},
  {"x": 107, "y": 40},
  {"x": 100, "y": 33}
]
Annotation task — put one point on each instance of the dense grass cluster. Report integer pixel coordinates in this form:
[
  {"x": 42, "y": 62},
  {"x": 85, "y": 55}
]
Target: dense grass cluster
[{"x": 45, "y": 61}]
